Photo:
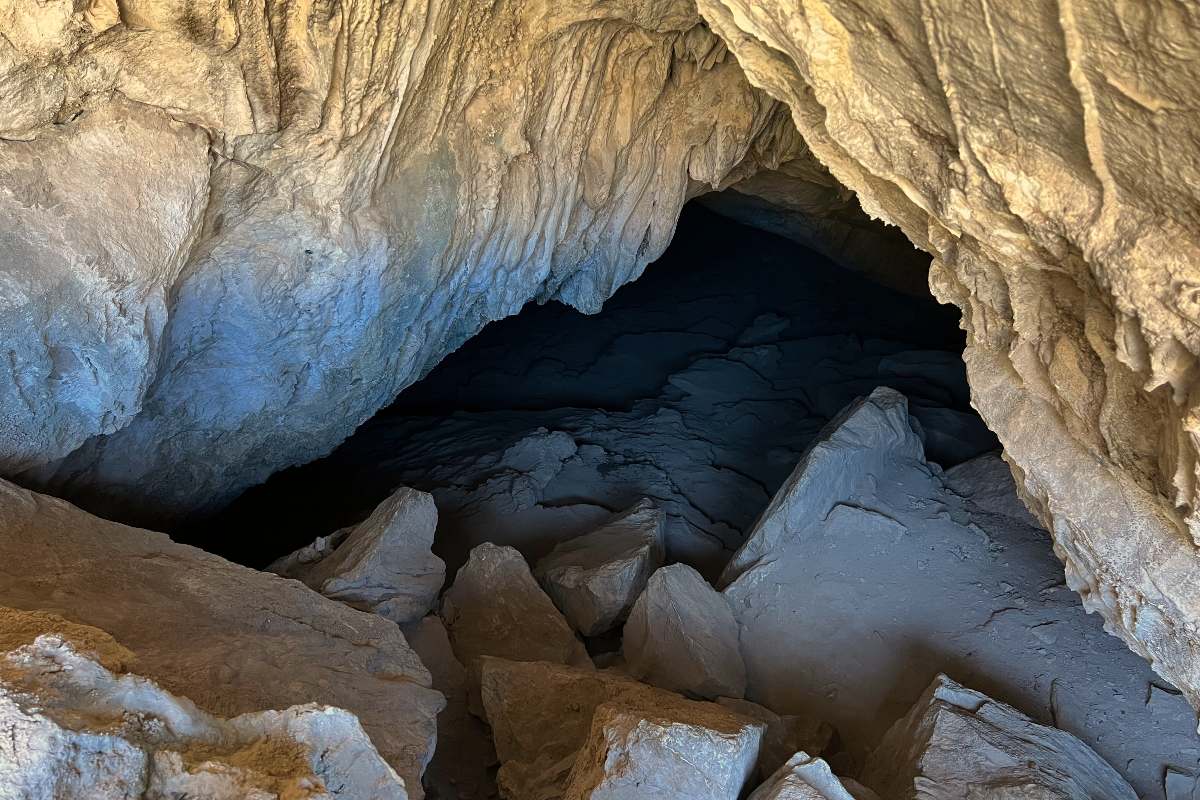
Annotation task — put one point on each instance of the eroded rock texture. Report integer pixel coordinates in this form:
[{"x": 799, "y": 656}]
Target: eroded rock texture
[{"x": 1042, "y": 153}]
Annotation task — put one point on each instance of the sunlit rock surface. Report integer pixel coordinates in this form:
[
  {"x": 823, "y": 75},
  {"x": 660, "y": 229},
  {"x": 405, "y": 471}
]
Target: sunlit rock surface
[
  {"x": 1042, "y": 154},
  {"x": 231, "y": 640}
]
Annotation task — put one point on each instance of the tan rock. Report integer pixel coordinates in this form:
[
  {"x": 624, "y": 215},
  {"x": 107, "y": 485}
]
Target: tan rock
[
  {"x": 805, "y": 777},
  {"x": 784, "y": 735}
]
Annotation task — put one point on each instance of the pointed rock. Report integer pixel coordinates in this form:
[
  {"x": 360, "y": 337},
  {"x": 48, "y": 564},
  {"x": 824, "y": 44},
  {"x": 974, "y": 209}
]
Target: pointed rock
[
  {"x": 595, "y": 578},
  {"x": 77, "y": 731},
  {"x": 956, "y": 742},
  {"x": 804, "y": 777},
  {"x": 864, "y": 441},
  {"x": 549, "y": 731},
  {"x": 496, "y": 608},
  {"x": 785, "y": 735},
  {"x": 681, "y": 635},
  {"x": 383, "y": 565}
]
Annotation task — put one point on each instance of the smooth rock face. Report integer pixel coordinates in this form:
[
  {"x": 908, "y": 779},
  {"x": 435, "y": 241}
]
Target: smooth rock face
[
  {"x": 804, "y": 777},
  {"x": 681, "y": 635},
  {"x": 383, "y": 565},
  {"x": 543, "y": 714},
  {"x": 1054, "y": 182},
  {"x": 956, "y": 743},
  {"x": 864, "y": 441},
  {"x": 594, "y": 579},
  {"x": 644, "y": 752},
  {"x": 230, "y": 639},
  {"x": 77, "y": 731},
  {"x": 495, "y": 608},
  {"x": 784, "y": 735}
]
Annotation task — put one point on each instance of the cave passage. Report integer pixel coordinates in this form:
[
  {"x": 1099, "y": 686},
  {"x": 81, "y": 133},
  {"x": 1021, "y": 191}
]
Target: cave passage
[{"x": 699, "y": 384}]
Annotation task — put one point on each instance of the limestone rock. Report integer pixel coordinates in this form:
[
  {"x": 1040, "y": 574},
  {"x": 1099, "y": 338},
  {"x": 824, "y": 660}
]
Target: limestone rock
[
  {"x": 804, "y": 777},
  {"x": 383, "y": 565},
  {"x": 595, "y": 578},
  {"x": 956, "y": 742},
  {"x": 496, "y": 608},
  {"x": 862, "y": 443},
  {"x": 230, "y": 639},
  {"x": 646, "y": 752},
  {"x": 77, "y": 731},
  {"x": 784, "y": 735},
  {"x": 681, "y": 635},
  {"x": 542, "y": 714}
]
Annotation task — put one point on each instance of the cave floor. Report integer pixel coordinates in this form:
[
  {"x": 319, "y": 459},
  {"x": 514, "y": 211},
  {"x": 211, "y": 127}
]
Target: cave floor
[{"x": 700, "y": 385}]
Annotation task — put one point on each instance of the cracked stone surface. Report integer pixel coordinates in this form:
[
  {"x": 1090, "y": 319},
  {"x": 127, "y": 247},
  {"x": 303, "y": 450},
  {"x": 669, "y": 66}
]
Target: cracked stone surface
[
  {"x": 383, "y": 564},
  {"x": 805, "y": 777},
  {"x": 682, "y": 636},
  {"x": 79, "y": 731},
  {"x": 230, "y": 639},
  {"x": 594, "y": 579},
  {"x": 957, "y": 742}
]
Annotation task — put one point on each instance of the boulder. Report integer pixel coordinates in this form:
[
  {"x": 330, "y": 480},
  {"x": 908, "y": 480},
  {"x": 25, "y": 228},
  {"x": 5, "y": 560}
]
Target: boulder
[
  {"x": 230, "y": 639},
  {"x": 682, "y": 635},
  {"x": 542, "y": 716},
  {"x": 595, "y": 578},
  {"x": 956, "y": 743},
  {"x": 784, "y": 735},
  {"x": 78, "y": 731},
  {"x": 383, "y": 565},
  {"x": 496, "y": 608},
  {"x": 803, "y": 777}
]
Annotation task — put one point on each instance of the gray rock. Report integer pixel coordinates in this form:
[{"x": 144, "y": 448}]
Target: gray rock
[
  {"x": 956, "y": 743},
  {"x": 784, "y": 736},
  {"x": 232, "y": 640},
  {"x": 77, "y": 731},
  {"x": 496, "y": 608},
  {"x": 682, "y": 635},
  {"x": 804, "y": 777},
  {"x": 646, "y": 752},
  {"x": 866, "y": 439},
  {"x": 383, "y": 565},
  {"x": 542, "y": 716},
  {"x": 594, "y": 579}
]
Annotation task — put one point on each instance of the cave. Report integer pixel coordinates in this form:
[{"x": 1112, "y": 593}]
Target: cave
[{"x": 599, "y": 400}]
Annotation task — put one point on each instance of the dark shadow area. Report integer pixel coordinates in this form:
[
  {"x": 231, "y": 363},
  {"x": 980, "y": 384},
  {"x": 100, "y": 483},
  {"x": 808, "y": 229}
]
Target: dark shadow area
[{"x": 699, "y": 384}]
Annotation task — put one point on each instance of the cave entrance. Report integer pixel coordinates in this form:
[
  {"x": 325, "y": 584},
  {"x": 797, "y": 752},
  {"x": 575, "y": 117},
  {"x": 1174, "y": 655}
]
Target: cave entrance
[{"x": 699, "y": 385}]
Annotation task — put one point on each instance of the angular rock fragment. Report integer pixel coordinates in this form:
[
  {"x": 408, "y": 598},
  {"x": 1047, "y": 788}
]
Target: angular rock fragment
[
  {"x": 496, "y": 608},
  {"x": 230, "y": 639},
  {"x": 784, "y": 736},
  {"x": 868, "y": 439},
  {"x": 595, "y": 578},
  {"x": 78, "y": 731},
  {"x": 956, "y": 743},
  {"x": 383, "y": 564},
  {"x": 542, "y": 714},
  {"x": 644, "y": 751},
  {"x": 803, "y": 777},
  {"x": 681, "y": 635}
]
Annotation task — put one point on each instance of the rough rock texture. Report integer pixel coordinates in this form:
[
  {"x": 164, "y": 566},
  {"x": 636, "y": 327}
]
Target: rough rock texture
[
  {"x": 1042, "y": 153},
  {"x": 594, "y": 579},
  {"x": 681, "y": 635},
  {"x": 77, "y": 731},
  {"x": 383, "y": 565},
  {"x": 905, "y": 578},
  {"x": 958, "y": 743},
  {"x": 784, "y": 735},
  {"x": 311, "y": 205},
  {"x": 495, "y": 608},
  {"x": 542, "y": 714},
  {"x": 230, "y": 639},
  {"x": 803, "y": 777},
  {"x": 649, "y": 752}
]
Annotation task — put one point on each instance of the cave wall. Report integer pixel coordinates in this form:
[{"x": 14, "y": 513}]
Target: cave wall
[
  {"x": 1046, "y": 155},
  {"x": 232, "y": 231}
]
